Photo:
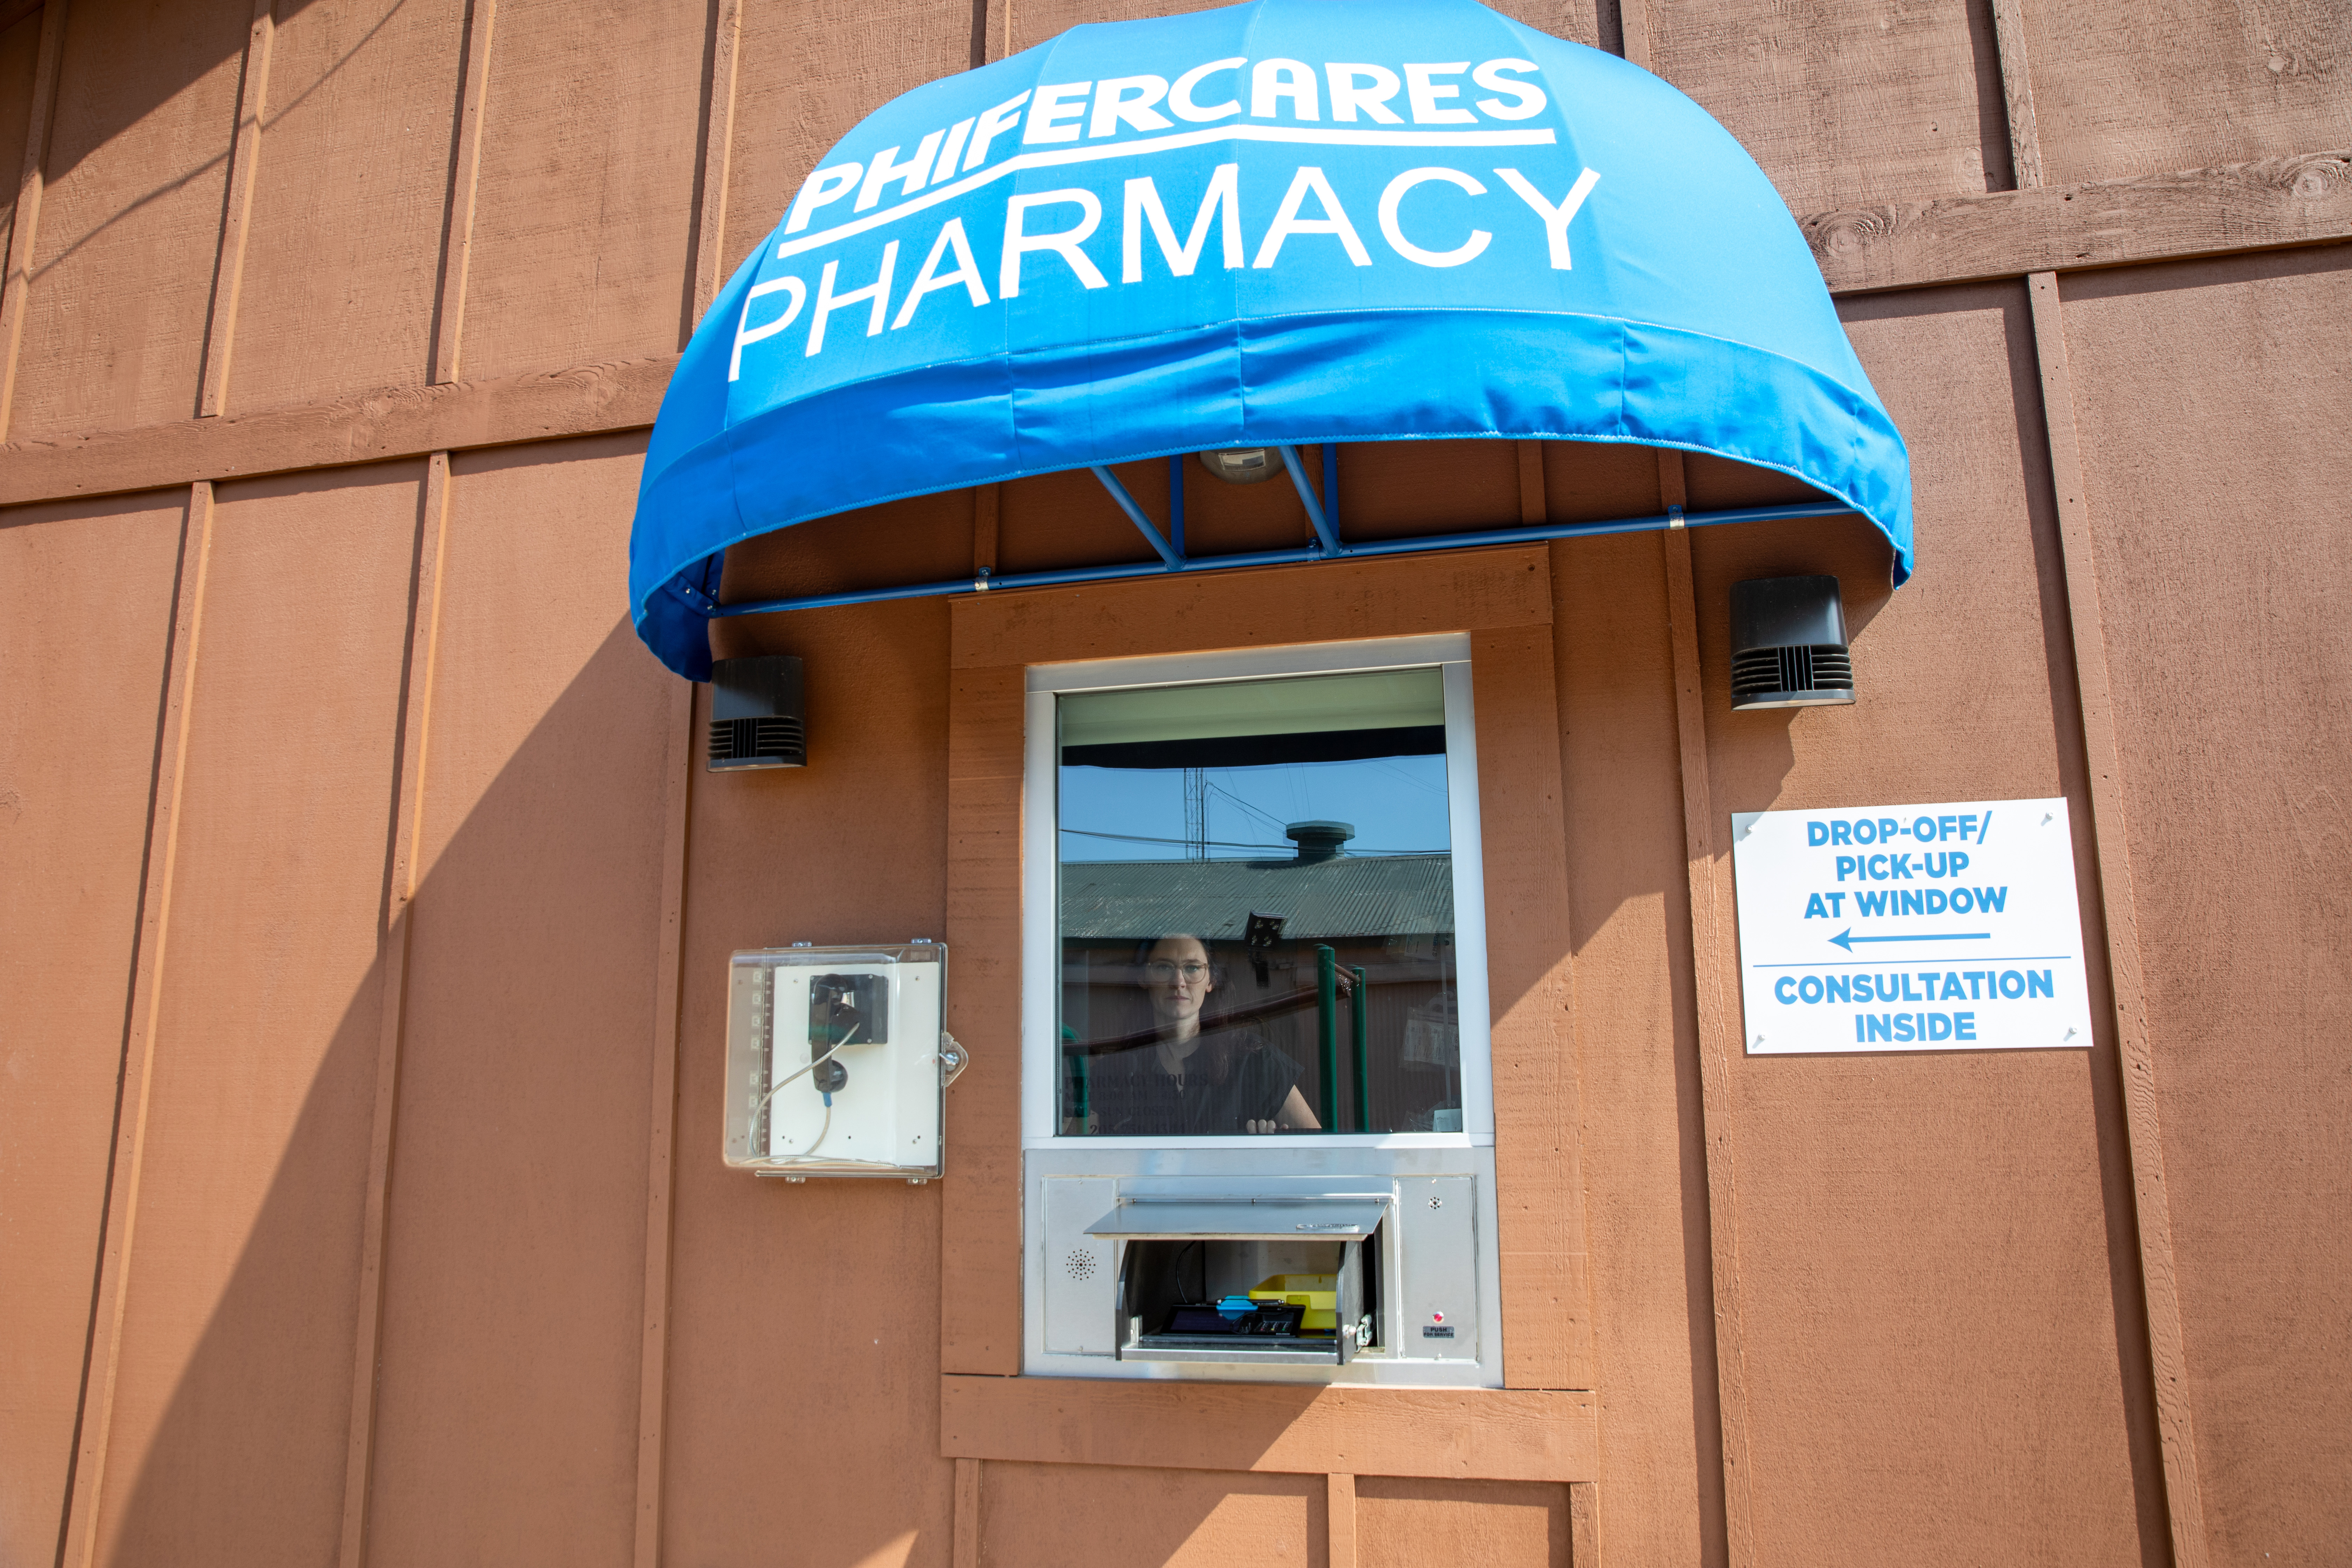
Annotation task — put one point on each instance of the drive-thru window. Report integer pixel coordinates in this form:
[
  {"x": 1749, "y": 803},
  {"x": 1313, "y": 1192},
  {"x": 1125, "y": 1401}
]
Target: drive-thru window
[{"x": 1258, "y": 1134}]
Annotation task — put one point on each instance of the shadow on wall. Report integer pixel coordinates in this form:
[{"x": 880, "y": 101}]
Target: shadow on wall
[
  {"x": 507, "y": 1418},
  {"x": 507, "y": 1425},
  {"x": 177, "y": 46},
  {"x": 182, "y": 44}
]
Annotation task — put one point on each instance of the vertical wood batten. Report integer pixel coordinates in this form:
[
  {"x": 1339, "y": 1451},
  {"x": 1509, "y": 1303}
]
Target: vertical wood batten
[
  {"x": 236, "y": 218},
  {"x": 95, "y": 1422},
  {"x": 1634, "y": 31},
  {"x": 2017, "y": 92},
  {"x": 466, "y": 178},
  {"x": 965, "y": 1547},
  {"x": 718, "y": 153},
  {"x": 987, "y": 503},
  {"x": 1718, "y": 1038},
  {"x": 653, "y": 1361},
  {"x": 1339, "y": 1520},
  {"x": 25, "y": 222},
  {"x": 400, "y": 891},
  {"x": 1583, "y": 1525},
  {"x": 2134, "y": 1051},
  {"x": 1533, "y": 506}
]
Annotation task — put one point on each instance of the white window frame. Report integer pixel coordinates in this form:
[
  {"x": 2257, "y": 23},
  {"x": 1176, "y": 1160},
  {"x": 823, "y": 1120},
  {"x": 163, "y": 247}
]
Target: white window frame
[{"x": 1041, "y": 947}]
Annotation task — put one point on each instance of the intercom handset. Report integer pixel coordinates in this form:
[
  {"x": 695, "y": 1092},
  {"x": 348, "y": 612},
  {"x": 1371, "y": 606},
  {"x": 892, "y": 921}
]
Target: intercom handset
[{"x": 844, "y": 1009}]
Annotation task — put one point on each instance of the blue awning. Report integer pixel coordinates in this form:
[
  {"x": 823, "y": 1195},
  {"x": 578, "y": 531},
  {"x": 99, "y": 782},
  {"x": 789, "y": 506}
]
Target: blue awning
[{"x": 1290, "y": 221}]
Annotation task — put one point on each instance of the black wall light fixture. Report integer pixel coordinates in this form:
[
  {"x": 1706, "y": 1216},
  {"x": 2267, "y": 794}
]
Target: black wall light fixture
[
  {"x": 755, "y": 713},
  {"x": 1787, "y": 644}
]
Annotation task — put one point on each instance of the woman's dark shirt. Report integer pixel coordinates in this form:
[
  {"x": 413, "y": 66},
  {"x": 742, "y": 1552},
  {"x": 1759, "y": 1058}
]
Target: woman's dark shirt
[{"x": 1131, "y": 1095}]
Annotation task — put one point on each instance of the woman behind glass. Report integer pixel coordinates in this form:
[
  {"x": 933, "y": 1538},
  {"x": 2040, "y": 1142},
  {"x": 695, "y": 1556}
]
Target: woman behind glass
[{"x": 1193, "y": 1080}]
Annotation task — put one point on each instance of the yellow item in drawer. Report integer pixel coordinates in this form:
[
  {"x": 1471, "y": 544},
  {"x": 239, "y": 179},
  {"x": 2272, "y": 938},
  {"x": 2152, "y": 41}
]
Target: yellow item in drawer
[{"x": 1318, "y": 1293}]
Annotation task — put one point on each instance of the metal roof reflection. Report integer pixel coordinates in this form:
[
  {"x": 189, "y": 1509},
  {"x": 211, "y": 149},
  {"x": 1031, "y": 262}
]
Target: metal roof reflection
[{"x": 1353, "y": 896}]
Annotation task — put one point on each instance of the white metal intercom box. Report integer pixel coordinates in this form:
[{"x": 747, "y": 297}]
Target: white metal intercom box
[{"x": 836, "y": 1062}]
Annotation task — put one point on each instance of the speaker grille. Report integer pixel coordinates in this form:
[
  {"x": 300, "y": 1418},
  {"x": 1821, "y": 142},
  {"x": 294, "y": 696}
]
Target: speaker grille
[
  {"x": 1787, "y": 676},
  {"x": 758, "y": 743}
]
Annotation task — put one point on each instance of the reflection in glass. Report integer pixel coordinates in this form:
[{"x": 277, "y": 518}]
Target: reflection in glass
[{"x": 1257, "y": 908}]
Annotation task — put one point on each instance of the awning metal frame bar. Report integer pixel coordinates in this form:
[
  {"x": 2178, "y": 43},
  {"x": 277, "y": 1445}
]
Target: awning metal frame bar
[
  {"x": 1169, "y": 546},
  {"x": 1173, "y": 554},
  {"x": 1326, "y": 532},
  {"x": 1172, "y": 559}
]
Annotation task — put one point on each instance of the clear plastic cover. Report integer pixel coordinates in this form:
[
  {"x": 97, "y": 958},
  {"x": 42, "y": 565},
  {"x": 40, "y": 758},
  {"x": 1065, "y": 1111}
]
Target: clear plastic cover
[{"x": 836, "y": 1062}]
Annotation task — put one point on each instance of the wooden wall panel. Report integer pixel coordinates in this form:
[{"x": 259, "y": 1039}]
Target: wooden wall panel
[
  {"x": 20, "y": 57},
  {"x": 131, "y": 216},
  {"x": 507, "y": 1422},
  {"x": 228, "y": 1420},
  {"x": 808, "y": 71},
  {"x": 1146, "y": 1424},
  {"x": 79, "y": 717},
  {"x": 1074, "y": 1516},
  {"x": 1538, "y": 1179},
  {"x": 1475, "y": 591},
  {"x": 410, "y": 422},
  {"x": 1404, "y": 1523},
  {"x": 1646, "y": 1194},
  {"x": 1390, "y": 489},
  {"x": 1931, "y": 1246},
  {"x": 1033, "y": 22},
  {"x": 1590, "y": 22},
  {"x": 804, "y": 1359},
  {"x": 2144, "y": 90},
  {"x": 583, "y": 222},
  {"x": 1849, "y": 102},
  {"x": 1592, "y": 482},
  {"x": 2212, "y": 400},
  {"x": 1067, "y": 519},
  {"x": 980, "y": 1204},
  {"x": 931, "y": 542},
  {"x": 352, "y": 176}
]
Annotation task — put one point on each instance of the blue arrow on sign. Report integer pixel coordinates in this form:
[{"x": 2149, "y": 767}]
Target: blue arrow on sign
[{"x": 1846, "y": 939}]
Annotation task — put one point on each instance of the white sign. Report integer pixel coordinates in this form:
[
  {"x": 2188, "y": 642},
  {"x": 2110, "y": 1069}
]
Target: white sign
[{"x": 1910, "y": 928}]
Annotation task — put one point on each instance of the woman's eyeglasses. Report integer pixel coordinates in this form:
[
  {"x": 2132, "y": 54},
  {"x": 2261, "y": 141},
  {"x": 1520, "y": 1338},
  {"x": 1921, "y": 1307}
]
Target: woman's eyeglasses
[{"x": 1162, "y": 971}]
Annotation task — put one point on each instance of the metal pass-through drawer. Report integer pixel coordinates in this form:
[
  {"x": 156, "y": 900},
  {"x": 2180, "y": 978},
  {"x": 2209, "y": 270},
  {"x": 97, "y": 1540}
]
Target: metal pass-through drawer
[{"x": 1217, "y": 1278}]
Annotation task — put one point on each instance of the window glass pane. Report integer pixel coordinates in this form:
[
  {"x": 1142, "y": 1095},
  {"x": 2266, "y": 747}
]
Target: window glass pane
[{"x": 1256, "y": 909}]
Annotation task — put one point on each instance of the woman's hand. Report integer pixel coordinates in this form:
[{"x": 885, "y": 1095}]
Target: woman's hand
[{"x": 1260, "y": 1126}]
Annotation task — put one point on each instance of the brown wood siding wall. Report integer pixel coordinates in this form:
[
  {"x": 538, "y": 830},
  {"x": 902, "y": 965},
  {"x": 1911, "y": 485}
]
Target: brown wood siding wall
[
  {"x": 80, "y": 765},
  {"x": 365, "y": 906},
  {"x": 2237, "y": 831}
]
